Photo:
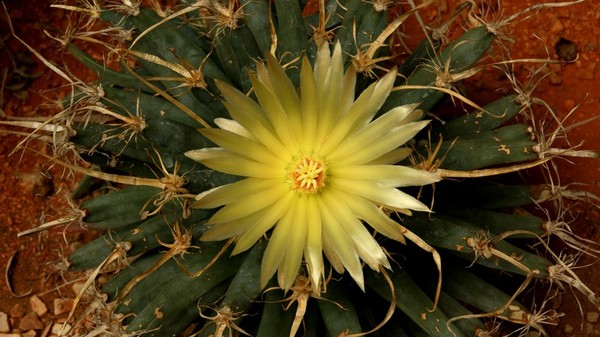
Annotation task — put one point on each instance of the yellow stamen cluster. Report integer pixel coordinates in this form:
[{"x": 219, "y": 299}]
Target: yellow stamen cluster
[{"x": 308, "y": 175}]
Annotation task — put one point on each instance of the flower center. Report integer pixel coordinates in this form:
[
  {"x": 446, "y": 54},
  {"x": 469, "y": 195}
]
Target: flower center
[{"x": 308, "y": 175}]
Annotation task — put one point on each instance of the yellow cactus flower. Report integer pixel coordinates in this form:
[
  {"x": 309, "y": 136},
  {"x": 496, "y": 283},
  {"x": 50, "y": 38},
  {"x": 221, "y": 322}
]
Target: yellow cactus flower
[{"x": 318, "y": 165}]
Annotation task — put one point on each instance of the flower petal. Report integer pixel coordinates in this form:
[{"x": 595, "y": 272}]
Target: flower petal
[
  {"x": 330, "y": 90},
  {"x": 251, "y": 117},
  {"x": 382, "y": 125},
  {"x": 233, "y": 126},
  {"x": 233, "y": 192},
  {"x": 313, "y": 250},
  {"x": 252, "y": 112},
  {"x": 367, "y": 248},
  {"x": 223, "y": 231},
  {"x": 295, "y": 242},
  {"x": 374, "y": 216},
  {"x": 379, "y": 193},
  {"x": 235, "y": 143},
  {"x": 283, "y": 88},
  {"x": 231, "y": 163},
  {"x": 378, "y": 146},
  {"x": 261, "y": 226},
  {"x": 392, "y": 157},
  {"x": 341, "y": 243},
  {"x": 309, "y": 105},
  {"x": 361, "y": 112},
  {"x": 250, "y": 204},
  {"x": 276, "y": 248},
  {"x": 276, "y": 113},
  {"x": 392, "y": 175}
]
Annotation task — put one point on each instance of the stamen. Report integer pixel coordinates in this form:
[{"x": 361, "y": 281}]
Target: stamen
[{"x": 308, "y": 175}]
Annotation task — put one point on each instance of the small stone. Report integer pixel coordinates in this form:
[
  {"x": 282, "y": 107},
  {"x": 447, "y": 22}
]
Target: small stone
[
  {"x": 30, "y": 333},
  {"x": 62, "y": 305},
  {"x": 60, "y": 328},
  {"x": 566, "y": 49},
  {"x": 586, "y": 72},
  {"x": 4, "y": 325},
  {"x": 589, "y": 328},
  {"x": 554, "y": 76},
  {"x": 46, "y": 331},
  {"x": 31, "y": 322},
  {"x": 557, "y": 26},
  {"x": 569, "y": 104},
  {"x": 568, "y": 328},
  {"x": 593, "y": 316},
  {"x": 17, "y": 310},
  {"x": 10, "y": 335},
  {"x": 38, "y": 306}
]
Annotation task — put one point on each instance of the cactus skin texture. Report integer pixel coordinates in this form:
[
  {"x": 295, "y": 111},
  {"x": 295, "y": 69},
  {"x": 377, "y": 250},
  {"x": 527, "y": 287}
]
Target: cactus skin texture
[{"x": 167, "y": 86}]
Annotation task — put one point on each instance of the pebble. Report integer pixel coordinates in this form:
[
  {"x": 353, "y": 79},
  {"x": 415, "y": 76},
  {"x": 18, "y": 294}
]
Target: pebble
[
  {"x": 10, "y": 335},
  {"x": 62, "y": 305},
  {"x": 38, "y": 306},
  {"x": 31, "y": 322},
  {"x": 566, "y": 49},
  {"x": 30, "y": 333},
  {"x": 57, "y": 328},
  {"x": 569, "y": 104},
  {"x": 589, "y": 328},
  {"x": 17, "y": 310},
  {"x": 592, "y": 316},
  {"x": 557, "y": 26},
  {"x": 568, "y": 328},
  {"x": 4, "y": 325},
  {"x": 586, "y": 72}
]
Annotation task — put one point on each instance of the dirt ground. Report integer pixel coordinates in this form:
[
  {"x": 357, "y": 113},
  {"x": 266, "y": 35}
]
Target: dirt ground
[{"x": 30, "y": 193}]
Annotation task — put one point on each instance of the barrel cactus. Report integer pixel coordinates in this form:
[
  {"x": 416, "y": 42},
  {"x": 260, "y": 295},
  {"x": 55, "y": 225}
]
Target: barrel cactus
[{"x": 245, "y": 161}]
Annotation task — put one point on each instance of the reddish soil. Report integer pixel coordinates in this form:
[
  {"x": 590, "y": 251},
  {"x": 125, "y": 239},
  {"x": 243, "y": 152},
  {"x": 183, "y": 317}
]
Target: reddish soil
[{"x": 31, "y": 193}]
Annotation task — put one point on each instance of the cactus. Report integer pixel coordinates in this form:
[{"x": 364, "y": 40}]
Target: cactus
[{"x": 262, "y": 150}]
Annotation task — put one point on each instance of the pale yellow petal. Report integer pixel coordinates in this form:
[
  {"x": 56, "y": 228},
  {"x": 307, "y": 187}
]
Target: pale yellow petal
[
  {"x": 251, "y": 117},
  {"x": 341, "y": 243},
  {"x": 366, "y": 246},
  {"x": 348, "y": 90},
  {"x": 322, "y": 64},
  {"x": 263, "y": 134},
  {"x": 230, "y": 193},
  {"x": 242, "y": 145},
  {"x": 241, "y": 166},
  {"x": 250, "y": 204},
  {"x": 330, "y": 92},
  {"x": 340, "y": 130},
  {"x": 381, "y": 126},
  {"x": 261, "y": 226},
  {"x": 296, "y": 240},
  {"x": 392, "y": 157},
  {"x": 276, "y": 113},
  {"x": 233, "y": 126},
  {"x": 380, "y": 194},
  {"x": 331, "y": 255},
  {"x": 364, "y": 153},
  {"x": 247, "y": 112},
  {"x": 285, "y": 91},
  {"x": 310, "y": 106},
  {"x": 374, "y": 216},
  {"x": 392, "y": 175},
  {"x": 313, "y": 251},
  {"x": 206, "y": 153},
  {"x": 223, "y": 231},
  {"x": 276, "y": 248},
  {"x": 263, "y": 73}
]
